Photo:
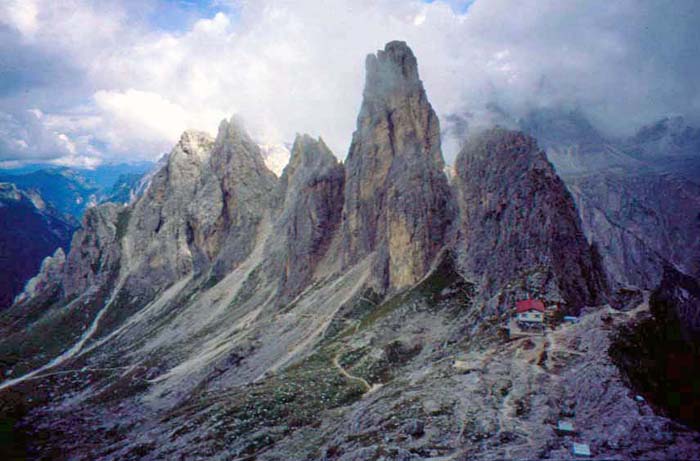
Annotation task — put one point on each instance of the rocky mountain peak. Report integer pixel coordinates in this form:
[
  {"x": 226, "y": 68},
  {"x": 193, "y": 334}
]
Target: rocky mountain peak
[
  {"x": 308, "y": 154},
  {"x": 47, "y": 280},
  {"x": 238, "y": 163},
  {"x": 235, "y": 147},
  {"x": 394, "y": 69},
  {"x": 554, "y": 128},
  {"x": 229, "y": 314},
  {"x": 95, "y": 254},
  {"x": 667, "y": 125},
  {"x": 311, "y": 187},
  {"x": 668, "y": 137},
  {"x": 519, "y": 232},
  {"x": 396, "y": 193},
  {"x": 186, "y": 160},
  {"x": 308, "y": 158},
  {"x": 195, "y": 144}
]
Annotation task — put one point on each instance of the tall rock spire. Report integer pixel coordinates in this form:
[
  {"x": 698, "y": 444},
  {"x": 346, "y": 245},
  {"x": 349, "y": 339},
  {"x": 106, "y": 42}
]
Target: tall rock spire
[
  {"x": 396, "y": 196},
  {"x": 311, "y": 190}
]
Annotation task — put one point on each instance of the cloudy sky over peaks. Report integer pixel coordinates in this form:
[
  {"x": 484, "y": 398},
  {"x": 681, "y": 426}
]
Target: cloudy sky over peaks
[{"x": 85, "y": 81}]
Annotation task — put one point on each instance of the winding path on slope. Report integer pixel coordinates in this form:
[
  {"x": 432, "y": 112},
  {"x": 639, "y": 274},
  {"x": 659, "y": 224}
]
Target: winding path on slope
[
  {"x": 369, "y": 388},
  {"x": 345, "y": 373}
]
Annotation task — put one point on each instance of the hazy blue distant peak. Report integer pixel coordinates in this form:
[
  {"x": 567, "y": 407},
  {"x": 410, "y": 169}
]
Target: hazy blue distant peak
[{"x": 71, "y": 190}]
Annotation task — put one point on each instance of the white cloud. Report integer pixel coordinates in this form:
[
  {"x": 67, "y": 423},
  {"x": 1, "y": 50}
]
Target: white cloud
[
  {"x": 276, "y": 157},
  {"x": 290, "y": 67},
  {"x": 21, "y": 15},
  {"x": 135, "y": 120},
  {"x": 33, "y": 138}
]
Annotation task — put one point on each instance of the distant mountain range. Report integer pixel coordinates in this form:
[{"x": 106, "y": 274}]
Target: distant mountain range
[
  {"x": 639, "y": 197},
  {"x": 30, "y": 231},
  {"x": 69, "y": 190},
  {"x": 42, "y": 205}
]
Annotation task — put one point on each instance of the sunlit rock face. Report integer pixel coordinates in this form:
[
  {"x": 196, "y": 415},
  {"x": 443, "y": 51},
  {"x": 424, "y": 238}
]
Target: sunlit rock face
[
  {"x": 202, "y": 210},
  {"x": 397, "y": 197},
  {"x": 158, "y": 240},
  {"x": 199, "y": 215},
  {"x": 247, "y": 192},
  {"x": 519, "y": 233},
  {"x": 95, "y": 255}
]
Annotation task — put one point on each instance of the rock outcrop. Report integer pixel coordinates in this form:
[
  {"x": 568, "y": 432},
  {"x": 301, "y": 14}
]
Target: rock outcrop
[
  {"x": 201, "y": 211},
  {"x": 396, "y": 193},
  {"x": 248, "y": 194},
  {"x": 668, "y": 138},
  {"x": 311, "y": 187},
  {"x": 224, "y": 313},
  {"x": 678, "y": 298},
  {"x": 573, "y": 145},
  {"x": 640, "y": 222},
  {"x": 48, "y": 280},
  {"x": 638, "y": 198},
  {"x": 519, "y": 231},
  {"x": 160, "y": 241},
  {"x": 95, "y": 255}
]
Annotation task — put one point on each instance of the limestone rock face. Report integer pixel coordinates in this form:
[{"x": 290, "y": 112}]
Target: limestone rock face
[
  {"x": 638, "y": 198},
  {"x": 248, "y": 194},
  {"x": 95, "y": 255},
  {"x": 199, "y": 214},
  {"x": 519, "y": 230},
  {"x": 48, "y": 280},
  {"x": 396, "y": 193},
  {"x": 640, "y": 222},
  {"x": 201, "y": 211},
  {"x": 311, "y": 186},
  {"x": 159, "y": 231}
]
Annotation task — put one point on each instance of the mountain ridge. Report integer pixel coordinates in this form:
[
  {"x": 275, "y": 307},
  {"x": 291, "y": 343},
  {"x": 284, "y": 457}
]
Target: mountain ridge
[{"x": 328, "y": 313}]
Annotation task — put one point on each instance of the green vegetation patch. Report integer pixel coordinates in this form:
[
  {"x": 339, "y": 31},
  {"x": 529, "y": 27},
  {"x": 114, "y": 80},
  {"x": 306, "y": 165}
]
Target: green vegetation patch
[
  {"x": 249, "y": 419},
  {"x": 382, "y": 368},
  {"x": 444, "y": 287},
  {"x": 123, "y": 222},
  {"x": 50, "y": 335}
]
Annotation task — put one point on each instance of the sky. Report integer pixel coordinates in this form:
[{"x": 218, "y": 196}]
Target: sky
[{"x": 90, "y": 81}]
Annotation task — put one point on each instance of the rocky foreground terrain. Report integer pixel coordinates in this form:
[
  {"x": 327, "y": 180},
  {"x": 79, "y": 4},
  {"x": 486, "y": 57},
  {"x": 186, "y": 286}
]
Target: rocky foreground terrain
[{"x": 341, "y": 312}]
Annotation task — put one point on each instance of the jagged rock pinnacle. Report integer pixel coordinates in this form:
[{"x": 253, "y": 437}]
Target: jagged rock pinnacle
[
  {"x": 311, "y": 188},
  {"x": 396, "y": 200},
  {"x": 393, "y": 69}
]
